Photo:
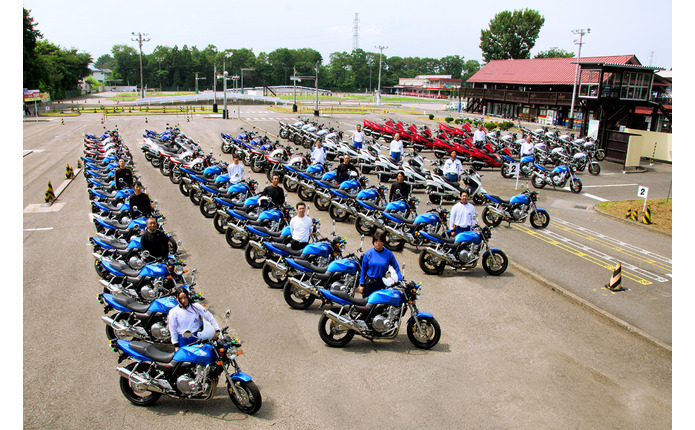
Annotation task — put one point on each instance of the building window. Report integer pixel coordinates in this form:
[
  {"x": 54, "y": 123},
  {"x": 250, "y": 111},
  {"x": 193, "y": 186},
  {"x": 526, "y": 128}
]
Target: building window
[
  {"x": 635, "y": 86},
  {"x": 589, "y": 83}
]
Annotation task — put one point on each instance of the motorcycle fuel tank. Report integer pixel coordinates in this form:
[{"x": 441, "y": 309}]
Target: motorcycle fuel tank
[{"x": 344, "y": 265}]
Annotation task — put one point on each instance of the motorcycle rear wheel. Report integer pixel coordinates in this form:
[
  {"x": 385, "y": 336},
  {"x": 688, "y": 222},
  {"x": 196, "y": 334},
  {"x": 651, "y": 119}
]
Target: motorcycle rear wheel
[
  {"x": 429, "y": 334},
  {"x": 272, "y": 279},
  {"x": 362, "y": 228},
  {"x": 219, "y": 223},
  {"x": 504, "y": 170},
  {"x": 226, "y": 148},
  {"x": 305, "y": 194},
  {"x": 490, "y": 218},
  {"x": 334, "y": 334},
  {"x": 184, "y": 188},
  {"x": 175, "y": 175},
  {"x": 495, "y": 262},
  {"x": 296, "y": 298},
  {"x": 156, "y": 162},
  {"x": 235, "y": 240},
  {"x": 393, "y": 244},
  {"x": 251, "y": 400},
  {"x": 196, "y": 197},
  {"x": 258, "y": 164},
  {"x": 322, "y": 203},
  {"x": 165, "y": 167},
  {"x": 208, "y": 209},
  {"x": 112, "y": 334},
  {"x": 136, "y": 395},
  {"x": 538, "y": 182},
  {"x": 338, "y": 214},
  {"x": 255, "y": 258},
  {"x": 430, "y": 264},
  {"x": 290, "y": 185},
  {"x": 538, "y": 219}
]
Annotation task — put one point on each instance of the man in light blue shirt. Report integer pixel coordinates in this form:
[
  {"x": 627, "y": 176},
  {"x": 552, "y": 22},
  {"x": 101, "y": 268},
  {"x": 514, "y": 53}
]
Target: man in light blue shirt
[{"x": 318, "y": 154}]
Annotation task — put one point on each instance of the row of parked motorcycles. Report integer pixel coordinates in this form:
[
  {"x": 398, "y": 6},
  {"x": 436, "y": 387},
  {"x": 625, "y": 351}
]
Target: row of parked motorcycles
[
  {"x": 320, "y": 271},
  {"x": 138, "y": 293}
]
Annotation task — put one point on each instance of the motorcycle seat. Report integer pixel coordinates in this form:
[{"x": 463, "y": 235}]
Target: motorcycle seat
[
  {"x": 269, "y": 232},
  {"x": 308, "y": 265},
  {"x": 444, "y": 239},
  {"x": 499, "y": 198},
  {"x": 249, "y": 216},
  {"x": 151, "y": 351},
  {"x": 349, "y": 298},
  {"x": 286, "y": 247},
  {"x": 131, "y": 303},
  {"x": 325, "y": 184},
  {"x": 400, "y": 217}
]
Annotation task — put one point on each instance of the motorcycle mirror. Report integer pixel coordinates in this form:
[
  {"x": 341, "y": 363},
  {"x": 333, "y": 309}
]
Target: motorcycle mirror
[
  {"x": 145, "y": 253},
  {"x": 227, "y": 313}
]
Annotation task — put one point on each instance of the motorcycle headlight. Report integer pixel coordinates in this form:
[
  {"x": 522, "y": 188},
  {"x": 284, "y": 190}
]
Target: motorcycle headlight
[
  {"x": 233, "y": 351},
  {"x": 178, "y": 270}
]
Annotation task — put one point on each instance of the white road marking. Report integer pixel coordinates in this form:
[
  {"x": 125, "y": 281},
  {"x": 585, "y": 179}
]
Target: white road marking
[{"x": 38, "y": 229}]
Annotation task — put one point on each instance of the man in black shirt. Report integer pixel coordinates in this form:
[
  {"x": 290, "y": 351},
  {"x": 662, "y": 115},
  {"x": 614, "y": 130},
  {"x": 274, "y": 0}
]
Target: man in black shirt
[
  {"x": 400, "y": 190},
  {"x": 140, "y": 204},
  {"x": 154, "y": 240},
  {"x": 344, "y": 168},
  {"x": 275, "y": 192},
  {"x": 124, "y": 173}
]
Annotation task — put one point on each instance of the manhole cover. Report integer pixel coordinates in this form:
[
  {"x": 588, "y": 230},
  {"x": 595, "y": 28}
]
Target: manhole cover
[{"x": 581, "y": 207}]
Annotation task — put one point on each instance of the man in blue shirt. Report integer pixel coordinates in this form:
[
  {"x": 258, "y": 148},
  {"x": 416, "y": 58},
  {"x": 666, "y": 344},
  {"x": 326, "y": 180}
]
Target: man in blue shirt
[{"x": 375, "y": 264}]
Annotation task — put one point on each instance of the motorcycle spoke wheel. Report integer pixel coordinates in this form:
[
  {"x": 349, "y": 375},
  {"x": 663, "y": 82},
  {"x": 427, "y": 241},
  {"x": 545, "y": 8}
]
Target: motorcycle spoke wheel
[
  {"x": 249, "y": 399},
  {"x": 495, "y": 262},
  {"x": 333, "y": 334},
  {"x": 235, "y": 239},
  {"x": 490, "y": 218},
  {"x": 254, "y": 257},
  {"x": 338, "y": 214},
  {"x": 322, "y": 203},
  {"x": 297, "y": 298},
  {"x": 426, "y": 334},
  {"x": 136, "y": 394},
  {"x": 220, "y": 223},
  {"x": 594, "y": 169},
  {"x": 273, "y": 278},
  {"x": 576, "y": 186},
  {"x": 430, "y": 264},
  {"x": 539, "y": 219}
]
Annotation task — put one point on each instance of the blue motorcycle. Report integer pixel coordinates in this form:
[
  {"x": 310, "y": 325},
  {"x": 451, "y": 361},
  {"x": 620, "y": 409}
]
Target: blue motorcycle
[
  {"x": 516, "y": 209},
  {"x": 191, "y": 372},
  {"x": 248, "y": 205},
  {"x": 378, "y": 316},
  {"x": 363, "y": 204},
  {"x": 558, "y": 177},
  {"x": 461, "y": 252},
  {"x": 275, "y": 219},
  {"x": 216, "y": 196}
]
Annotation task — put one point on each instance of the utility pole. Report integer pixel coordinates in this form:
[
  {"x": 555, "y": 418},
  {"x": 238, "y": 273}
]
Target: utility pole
[
  {"x": 378, "y": 91},
  {"x": 581, "y": 32},
  {"x": 294, "y": 79},
  {"x": 316, "y": 82},
  {"x": 140, "y": 39},
  {"x": 196, "y": 81},
  {"x": 242, "y": 78},
  {"x": 214, "y": 88}
]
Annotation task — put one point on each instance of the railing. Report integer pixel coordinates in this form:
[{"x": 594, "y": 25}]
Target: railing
[{"x": 516, "y": 96}]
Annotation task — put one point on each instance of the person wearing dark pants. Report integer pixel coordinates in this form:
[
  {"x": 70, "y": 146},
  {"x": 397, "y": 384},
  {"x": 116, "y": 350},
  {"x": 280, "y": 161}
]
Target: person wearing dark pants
[{"x": 375, "y": 264}]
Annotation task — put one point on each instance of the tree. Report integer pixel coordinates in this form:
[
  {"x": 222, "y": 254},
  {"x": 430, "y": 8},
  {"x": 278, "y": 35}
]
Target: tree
[
  {"x": 554, "y": 52},
  {"x": 511, "y": 35},
  {"x": 106, "y": 61},
  {"x": 31, "y": 36}
]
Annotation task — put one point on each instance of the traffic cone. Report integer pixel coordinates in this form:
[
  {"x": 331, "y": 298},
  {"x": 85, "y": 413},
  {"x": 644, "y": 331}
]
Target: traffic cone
[
  {"x": 62, "y": 121},
  {"x": 614, "y": 285},
  {"x": 69, "y": 174},
  {"x": 634, "y": 215},
  {"x": 50, "y": 195},
  {"x": 628, "y": 215},
  {"x": 145, "y": 120},
  {"x": 79, "y": 163},
  {"x": 647, "y": 217}
]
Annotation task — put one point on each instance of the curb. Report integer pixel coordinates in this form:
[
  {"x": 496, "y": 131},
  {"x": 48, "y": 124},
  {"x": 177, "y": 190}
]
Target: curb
[
  {"x": 584, "y": 303},
  {"x": 633, "y": 223},
  {"x": 62, "y": 187}
]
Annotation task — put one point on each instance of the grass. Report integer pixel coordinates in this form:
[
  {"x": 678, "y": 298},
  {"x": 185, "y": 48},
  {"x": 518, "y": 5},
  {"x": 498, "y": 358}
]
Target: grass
[{"x": 661, "y": 211}]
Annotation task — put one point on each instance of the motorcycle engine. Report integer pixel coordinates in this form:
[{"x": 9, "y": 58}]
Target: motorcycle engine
[
  {"x": 519, "y": 212},
  {"x": 385, "y": 321},
  {"x": 160, "y": 331},
  {"x": 557, "y": 179},
  {"x": 136, "y": 262},
  {"x": 468, "y": 253},
  {"x": 151, "y": 292},
  {"x": 344, "y": 284},
  {"x": 191, "y": 383}
]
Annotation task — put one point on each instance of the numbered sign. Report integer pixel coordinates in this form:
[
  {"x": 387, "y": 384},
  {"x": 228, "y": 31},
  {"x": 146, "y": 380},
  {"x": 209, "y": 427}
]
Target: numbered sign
[
  {"x": 642, "y": 191},
  {"x": 514, "y": 169}
]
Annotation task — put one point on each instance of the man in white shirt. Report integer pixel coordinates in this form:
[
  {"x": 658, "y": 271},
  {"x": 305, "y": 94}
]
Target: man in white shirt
[
  {"x": 301, "y": 227},
  {"x": 527, "y": 148},
  {"x": 318, "y": 154},
  {"x": 188, "y": 316},
  {"x": 236, "y": 171},
  {"x": 358, "y": 138},
  {"x": 462, "y": 216},
  {"x": 453, "y": 168},
  {"x": 479, "y": 136},
  {"x": 396, "y": 148}
]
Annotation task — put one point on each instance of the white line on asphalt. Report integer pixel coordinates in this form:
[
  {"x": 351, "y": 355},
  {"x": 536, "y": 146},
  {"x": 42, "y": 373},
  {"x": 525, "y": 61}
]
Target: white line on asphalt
[
  {"x": 610, "y": 185},
  {"x": 595, "y": 197},
  {"x": 38, "y": 229}
]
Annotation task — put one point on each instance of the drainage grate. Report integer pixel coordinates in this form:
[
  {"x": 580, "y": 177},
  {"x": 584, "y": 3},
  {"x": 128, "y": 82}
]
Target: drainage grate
[{"x": 581, "y": 207}]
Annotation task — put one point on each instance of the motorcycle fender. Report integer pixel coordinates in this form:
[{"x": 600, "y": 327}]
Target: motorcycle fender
[
  {"x": 541, "y": 210},
  {"x": 422, "y": 315},
  {"x": 241, "y": 376},
  {"x": 490, "y": 250}
]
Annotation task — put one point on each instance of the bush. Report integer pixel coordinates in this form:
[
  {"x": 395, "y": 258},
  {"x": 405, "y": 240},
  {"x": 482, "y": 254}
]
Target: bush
[
  {"x": 448, "y": 119},
  {"x": 489, "y": 126},
  {"x": 458, "y": 121},
  {"x": 506, "y": 125},
  {"x": 431, "y": 116}
]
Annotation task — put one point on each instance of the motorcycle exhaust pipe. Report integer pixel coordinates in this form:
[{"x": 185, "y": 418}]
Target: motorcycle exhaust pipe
[
  {"x": 307, "y": 288},
  {"x": 208, "y": 198},
  {"x": 394, "y": 232},
  {"x": 256, "y": 245},
  {"x": 275, "y": 265},
  {"x": 144, "y": 383},
  {"x": 439, "y": 254},
  {"x": 341, "y": 320}
]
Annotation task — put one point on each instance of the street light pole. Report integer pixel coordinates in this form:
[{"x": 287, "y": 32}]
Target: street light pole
[
  {"x": 316, "y": 82},
  {"x": 242, "y": 78},
  {"x": 581, "y": 32},
  {"x": 378, "y": 92},
  {"x": 140, "y": 39}
]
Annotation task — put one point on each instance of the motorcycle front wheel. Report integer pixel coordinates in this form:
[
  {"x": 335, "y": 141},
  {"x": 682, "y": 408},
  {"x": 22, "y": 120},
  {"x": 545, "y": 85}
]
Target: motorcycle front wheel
[
  {"x": 297, "y": 298},
  {"x": 538, "y": 219},
  {"x": 254, "y": 257},
  {"x": 272, "y": 278},
  {"x": 333, "y": 334},
  {"x": 426, "y": 335},
  {"x": 430, "y": 264},
  {"x": 594, "y": 169},
  {"x": 495, "y": 262},
  {"x": 600, "y": 155},
  {"x": 249, "y": 401},
  {"x": 490, "y": 218},
  {"x": 134, "y": 393},
  {"x": 576, "y": 186}
]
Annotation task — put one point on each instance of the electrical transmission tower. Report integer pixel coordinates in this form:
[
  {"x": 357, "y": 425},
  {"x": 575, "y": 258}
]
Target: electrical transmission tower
[{"x": 355, "y": 32}]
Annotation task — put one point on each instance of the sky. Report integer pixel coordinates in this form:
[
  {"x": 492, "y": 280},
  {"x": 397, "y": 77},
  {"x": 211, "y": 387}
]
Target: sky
[{"x": 406, "y": 27}]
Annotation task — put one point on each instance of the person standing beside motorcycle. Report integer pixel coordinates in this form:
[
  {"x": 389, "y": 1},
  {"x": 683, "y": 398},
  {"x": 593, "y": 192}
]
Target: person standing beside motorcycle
[
  {"x": 343, "y": 169},
  {"x": 479, "y": 136},
  {"x": 301, "y": 227},
  {"x": 527, "y": 148},
  {"x": 188, "y": 316},
  {"x": 236, "y": 171},
  {"x": 318, "y": 154},
  {"x": 453, "y": 169},
  {"x": 140, "y": 204},
  {"x": 275, "y": 192},
  {"x": 154, "y": 241},
  {"x": 462, "y": 217},
  {"x": 123, "y": 175},
  {"x": 396, "y": 148},
  {"x": 375, "y": 264},
  {"x": 400, "y": 190},
  {"x": 358, "y": 138}
]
